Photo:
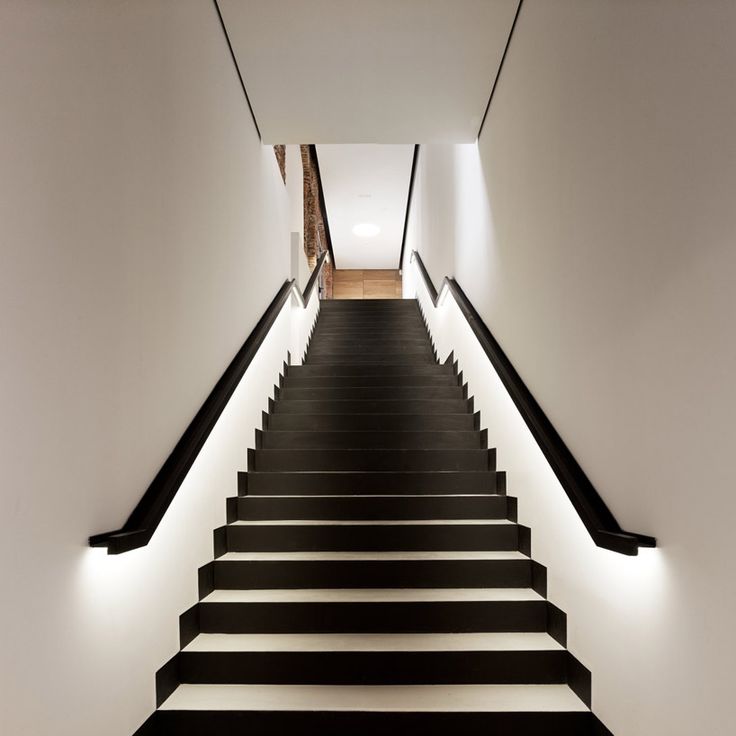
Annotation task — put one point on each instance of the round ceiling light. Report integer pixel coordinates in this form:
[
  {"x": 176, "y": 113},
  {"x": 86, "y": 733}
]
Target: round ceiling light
[{"x": 366, "y": 230}]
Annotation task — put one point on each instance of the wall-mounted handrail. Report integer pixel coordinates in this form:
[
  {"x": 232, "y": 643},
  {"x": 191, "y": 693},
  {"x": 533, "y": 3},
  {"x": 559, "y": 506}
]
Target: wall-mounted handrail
[
  {"x": 145, "y": 518},
  {"x": 590, "y": 507}
]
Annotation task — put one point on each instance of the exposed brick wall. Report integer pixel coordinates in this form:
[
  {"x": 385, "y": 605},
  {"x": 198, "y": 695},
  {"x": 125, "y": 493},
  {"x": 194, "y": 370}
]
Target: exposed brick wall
[
  {"x": 280, "y": 152},
  {"x": 315, "y": 240}
]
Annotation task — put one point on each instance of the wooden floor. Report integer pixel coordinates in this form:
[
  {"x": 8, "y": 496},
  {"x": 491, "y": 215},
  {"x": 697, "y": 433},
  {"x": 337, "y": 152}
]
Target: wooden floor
[{"x": 366, "y": 284}]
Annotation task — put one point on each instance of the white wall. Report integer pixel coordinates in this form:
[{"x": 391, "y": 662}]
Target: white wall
[
  {"x": 593, "y": 227},
  {"x": 143, "y": 232}
]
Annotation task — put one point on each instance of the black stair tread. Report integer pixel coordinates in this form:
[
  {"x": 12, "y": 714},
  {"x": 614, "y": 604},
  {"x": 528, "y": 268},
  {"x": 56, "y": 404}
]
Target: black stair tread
[
  {"x": 418, "y": 383},
  {"x": 356, "y": 326},
  {"x": 413, "y": 335},
  {"x": 374, "y": 421},
  {"x": 375, "y": 555},
  {"x": 367, "y": 392},
  {"x": 308, "y": 570},
  {"x": 308, "y": 534},
  {"x": 375, "y": 522},
  {"x": 345, "y": 352},
  {"x": 370, "y": 459},
  {"x": 418, "y": 336},
  {"x": 389, "y": 347},
  {"x": 310, "y": 722},
  {"x": 374, "y": 668},
  {"x": 373, "y": 406},
  {"x": 372, "y": 359},
  {"x": 419, "y": 452},
  {"x": 426, "y": 506},
  {"x": 343, "y": 482},
  {"x": 366, "y": 303},
  {"x": 364, "y": 723},
  {"x": 281, "y": 439},
  {"x": 369, "y": 334},
  {"x": 370, "y": 369},
  {"x": 336, "y": 346},
  {"x": 370, "y": 310},
  {"x": 222, "y": 614}
]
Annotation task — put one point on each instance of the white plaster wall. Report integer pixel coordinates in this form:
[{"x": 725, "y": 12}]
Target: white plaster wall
[
  {"x": 593, "y": 228},
  {"x": 143, "y": 231}
]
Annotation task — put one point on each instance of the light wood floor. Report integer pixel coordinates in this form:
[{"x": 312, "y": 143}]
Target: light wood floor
[{"x": 366, "y": 284}]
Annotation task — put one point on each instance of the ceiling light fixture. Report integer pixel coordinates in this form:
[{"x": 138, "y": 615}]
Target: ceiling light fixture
[{"x": 366, "y": 230}]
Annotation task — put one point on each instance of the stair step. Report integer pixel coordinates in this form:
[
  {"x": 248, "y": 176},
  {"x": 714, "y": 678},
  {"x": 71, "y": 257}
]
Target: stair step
[
  {"x": 419, "y": 383},
  {"x": 373, "y": 422},
  {"x": 249, "y": 716},
  {"x": 365, "y": 304},
  {"x": 374, "y": 406},
  {"x": 277, "y": 572},
  {"x": 378, "y": 556},
  {"x": 338, "y": 348},
  {"x": 374, "y": 359},
  {"x": 415, "y": 331},
  {"x": 371, "y": 459},
  {"x": 370, "y": 369},
  {"x": 418, "y": 335},
  {"x": 474, "y": 534},
  {"x": 373, "y": 507},
  {"x": 368, "y": 392},
  {"x": 274, "y": 439},
  {"x": 384, "y": 326},
  {"x": 226, "y": 613},
  {"x": 375, "y": 317},
  {"x": 393, "y": 345},
  {"x": 347, "y": 353},
  {"x": 412, "y": 482},
  {"x": 373, "y": 667},
  {"x": 357, "y": 340}
]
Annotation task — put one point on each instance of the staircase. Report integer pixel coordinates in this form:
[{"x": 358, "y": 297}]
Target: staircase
[{"x": 372, "y": 578}]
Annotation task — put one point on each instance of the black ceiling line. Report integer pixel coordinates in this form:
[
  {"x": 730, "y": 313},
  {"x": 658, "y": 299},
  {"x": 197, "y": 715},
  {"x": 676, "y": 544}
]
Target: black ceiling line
[
  {"x": 412, "y": 176},
  {"x": 322, "y": 203},
  {"x": 500, "y": 67},
  {"x": 237, "y": 68}
]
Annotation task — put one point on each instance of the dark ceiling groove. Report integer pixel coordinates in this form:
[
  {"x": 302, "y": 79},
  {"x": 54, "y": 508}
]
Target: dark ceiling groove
[
  {"x": 412, "y": 176},
  {"x": 500, "y": 67},
  {"x": 237, "y": 68}
]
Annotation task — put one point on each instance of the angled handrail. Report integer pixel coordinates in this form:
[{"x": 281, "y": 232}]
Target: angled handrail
[
  {"x": 146, "y": 516},
  {"x": 590, "y": 507}
]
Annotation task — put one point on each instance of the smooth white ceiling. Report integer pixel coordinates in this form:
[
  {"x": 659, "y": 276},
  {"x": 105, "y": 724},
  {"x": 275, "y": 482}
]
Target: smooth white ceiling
[
  {"x": 365, "y": 183},
  {"x": 368, "y": 71}
]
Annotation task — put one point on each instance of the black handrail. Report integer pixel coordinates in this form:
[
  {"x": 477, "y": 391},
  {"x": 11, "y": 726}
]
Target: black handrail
[
  {"x": 143, "y": 522},
  {"x": 592, "y": 510}
]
